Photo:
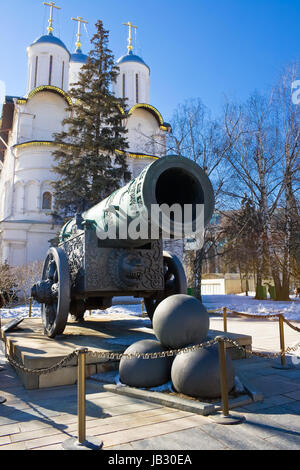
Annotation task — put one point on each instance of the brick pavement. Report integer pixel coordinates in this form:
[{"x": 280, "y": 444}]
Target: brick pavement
[{"x": 43, "y": 419}]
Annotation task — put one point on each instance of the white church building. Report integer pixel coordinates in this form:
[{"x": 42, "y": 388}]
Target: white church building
[{"x": 26, "y": 140}]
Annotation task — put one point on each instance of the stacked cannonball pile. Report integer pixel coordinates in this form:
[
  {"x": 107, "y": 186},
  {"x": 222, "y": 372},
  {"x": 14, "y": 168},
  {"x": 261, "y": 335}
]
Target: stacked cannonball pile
[{"x": 179, "y": 321}]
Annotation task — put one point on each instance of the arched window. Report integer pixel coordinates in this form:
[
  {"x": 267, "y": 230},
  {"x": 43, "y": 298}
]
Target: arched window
[
  {"x": 123, "y": 86},
  {"x": 36, "y": 70},
  {"x": 137, "y": 87},
  {"x": 63, "y": 76},
  {"x": 50, "y": 69},
  {"x": 47, "y": 201}
]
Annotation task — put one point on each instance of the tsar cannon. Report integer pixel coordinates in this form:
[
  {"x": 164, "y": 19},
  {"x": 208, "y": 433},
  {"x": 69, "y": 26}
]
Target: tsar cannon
[{"x": 116, "y": 247}]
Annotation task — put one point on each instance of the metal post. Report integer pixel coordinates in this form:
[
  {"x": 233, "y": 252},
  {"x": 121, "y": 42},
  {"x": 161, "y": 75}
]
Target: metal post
[
  {"x": 283, "y": 364},
  {"x": 225, "y": 319},
  {"x": 81, "y": 395},
  {"x": 223, "y": 377},
  {"x": 90, "y": 313},
  {"x": 143, "y": 308},
  {"x": 30, "y": 307},
  {"x": 281, "y": 333},
  {"x": 225, "y": 418},
  {"x": 82, "y": 443}
]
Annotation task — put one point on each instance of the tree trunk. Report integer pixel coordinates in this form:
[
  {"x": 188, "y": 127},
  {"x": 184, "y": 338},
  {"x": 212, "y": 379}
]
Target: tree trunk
[{"x": 198, "y": 262}]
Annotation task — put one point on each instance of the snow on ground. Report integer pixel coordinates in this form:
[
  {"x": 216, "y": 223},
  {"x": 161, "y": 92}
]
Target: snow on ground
[
  {"x": 239, "y": 303},
  {"x": 244, "y": 304}
]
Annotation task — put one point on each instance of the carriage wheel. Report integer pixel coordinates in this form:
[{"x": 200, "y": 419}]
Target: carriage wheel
[
  {"x": 175, "y": 282},
  {"x": 53, "y": 292}
]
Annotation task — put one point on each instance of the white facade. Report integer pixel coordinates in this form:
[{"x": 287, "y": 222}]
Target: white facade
[{"x": 26, "y": 175}]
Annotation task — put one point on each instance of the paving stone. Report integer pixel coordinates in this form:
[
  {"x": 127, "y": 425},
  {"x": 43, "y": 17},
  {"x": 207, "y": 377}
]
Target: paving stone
[
  {"x": 9, "y": 429},
  {"x": 274, "y": 420},
  {"x": 42, "y": 419},
  {"x": 57, "y": 438},
  {"x": 273, "y": 385},
  {"x": 284, "y": 442},
  {"x": 50, "y": 447},
  {"x": 195, "y": 440},
  {"x": 269, "y": 402},
  {"x": 237, "y": 437},
  {"x": 294, "y": 395},
  {"x": 293, "y": 407},
  {"x": 291, "y": 374},
  {"x": 15, "y": 446},
  {"x": 143, "y": 432},
  {"x": 4, "y": 440},
  {"x": 120, "y": 447},
  {"x": 130, "y": 425}
]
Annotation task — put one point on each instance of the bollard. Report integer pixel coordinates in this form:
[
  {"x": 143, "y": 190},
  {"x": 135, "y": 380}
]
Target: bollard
[
  {"x": 90, "y": 313},
  {"x": 81, "y": 395},
  {"x": 283, "y": 365},
  {"x": 30, "y": 307},
  {"x": 82, "y": 443},
  {"x": 281, "y": 334},
  {"x": 223, "y": 377},
  {"x": 225, "y": 418},
  {"x": 225, "y": 319},
  {"x": 143, "y": 308}
]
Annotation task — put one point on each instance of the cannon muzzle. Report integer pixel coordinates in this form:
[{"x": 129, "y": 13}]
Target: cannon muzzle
[{"x": 169, "y": 195}]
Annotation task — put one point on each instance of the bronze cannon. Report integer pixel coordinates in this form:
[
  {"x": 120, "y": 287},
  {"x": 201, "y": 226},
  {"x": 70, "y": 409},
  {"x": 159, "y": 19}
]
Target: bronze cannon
[{"x": 116, "y": 247}]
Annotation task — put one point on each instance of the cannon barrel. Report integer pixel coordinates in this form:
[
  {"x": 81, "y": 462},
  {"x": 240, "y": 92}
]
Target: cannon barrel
[{"x": 167, "y": 181}]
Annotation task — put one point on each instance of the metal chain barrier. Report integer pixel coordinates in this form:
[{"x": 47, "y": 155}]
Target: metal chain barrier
[
  {"x": 262, "y": 317},
  {"x": 249, "y": 315},
  {"x": 145, "y": 356},
  {"x": 44, "y": 371},
  {"x": 281, "y": 321},
  {"x": 82, "y": 442},
  {"x": 290, "y": 325}
]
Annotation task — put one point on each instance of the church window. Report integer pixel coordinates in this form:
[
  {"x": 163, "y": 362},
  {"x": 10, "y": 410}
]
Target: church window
[
  {"x": 63, "y": 76},
  {"x": 123, "y": 78},
  {"x": 50, "y": 69},
  {"x": 137, "y": 87},
  {"x": 47, "y": 201},
  {"x": 36, "y": 70}
]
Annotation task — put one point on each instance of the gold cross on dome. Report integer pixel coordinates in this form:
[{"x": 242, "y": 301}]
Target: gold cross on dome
[
  {"x": 50, "y": 21},
  {"x": 80, "y": 20},
  {"x": 130, "y": 26}
]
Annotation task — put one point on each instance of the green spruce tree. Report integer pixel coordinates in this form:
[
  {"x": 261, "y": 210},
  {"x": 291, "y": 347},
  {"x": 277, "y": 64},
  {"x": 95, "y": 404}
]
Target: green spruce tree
[{"x": 91, "y": 159}]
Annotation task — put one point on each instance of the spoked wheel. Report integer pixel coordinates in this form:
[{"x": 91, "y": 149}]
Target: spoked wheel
[
  {"x": 175, "y": 282},
  {"x": 53, "y": 292}
]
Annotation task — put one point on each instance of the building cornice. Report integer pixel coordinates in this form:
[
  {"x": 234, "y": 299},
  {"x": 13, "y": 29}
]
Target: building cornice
[
  {"x": 38, "y": 143},
  {"x": 51, "y": 89}
]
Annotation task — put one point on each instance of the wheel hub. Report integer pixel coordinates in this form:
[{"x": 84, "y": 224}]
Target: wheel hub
[{"x": 44, "y": 292}]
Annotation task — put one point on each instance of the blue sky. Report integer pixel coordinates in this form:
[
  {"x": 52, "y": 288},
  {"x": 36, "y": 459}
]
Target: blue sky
[{"x": 196, "y": 48}]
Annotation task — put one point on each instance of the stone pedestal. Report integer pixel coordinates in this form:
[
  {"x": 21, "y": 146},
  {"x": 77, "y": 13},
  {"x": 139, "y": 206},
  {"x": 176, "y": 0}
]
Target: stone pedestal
[{"x": 28, "y": 346}]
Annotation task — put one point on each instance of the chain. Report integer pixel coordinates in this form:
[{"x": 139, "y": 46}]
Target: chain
[
  {"x": 154, "y": 355},
  {"x": 261, "y": 354},
  {"x": 47, "y": 370},
  {"x": 290, "y": 325},
  {"x": 249, "y": 315},
  {"x": 264, "y": 317}
]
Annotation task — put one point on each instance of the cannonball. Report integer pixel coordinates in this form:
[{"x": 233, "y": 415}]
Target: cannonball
[
  {"x": 180, "y": 320},
  {"x": 143, "y": 373},
  {"x": 197, "y": 373}
]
